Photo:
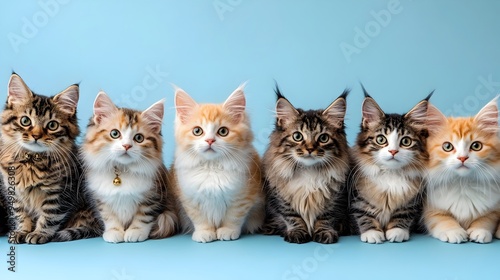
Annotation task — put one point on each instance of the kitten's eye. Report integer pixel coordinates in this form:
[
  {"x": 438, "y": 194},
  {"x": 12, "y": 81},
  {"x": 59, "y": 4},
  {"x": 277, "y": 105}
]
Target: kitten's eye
[
  {"x": 53, "y": 125},
  {"x": 476, "y": 146},
  {"x": 114, "y": 133},
  {"x": 381, "y": 140},
  {"x": 323, "y": 138},
  {"x": 25, "y": 121},
  {"x": 406, "y": 142},
  {"x": 139, "y": 138},
  {"x": 297, "y": 136},
  {"x": 447, "y": 147},
  {"x": 223, "y": 131},
  {"x": 197, "y": 131}
]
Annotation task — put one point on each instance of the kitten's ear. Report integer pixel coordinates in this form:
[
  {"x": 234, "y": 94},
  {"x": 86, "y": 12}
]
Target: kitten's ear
[
  {"x": 103, "y": 107},
  {"x": 154, "y": 115},
  {"x": 336, "y": 111},
  {"x": 285, "y": 112},
  {"x": 67, "y": 100},
  {"x": 18, "y": 92},
  {"x": 184, "y": 105},
  {"x": 417, "y": 116},
  {"x": 487, "y": 118},
  {"x": 236, "y": 103},
  {"x": 371, "y": 112},
  {"x": 435, "y": 119}
]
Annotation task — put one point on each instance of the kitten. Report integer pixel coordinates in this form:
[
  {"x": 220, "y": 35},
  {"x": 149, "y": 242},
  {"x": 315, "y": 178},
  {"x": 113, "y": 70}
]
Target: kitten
[
  {"x": 306, "y": 167},
  {"x": 389, "y": 164},
  {"x": 216, "y": 169},
  {"x": 125, "y": 172},
  {"x": 39, "y": 162},
  {"x": 463, "y": 192}
]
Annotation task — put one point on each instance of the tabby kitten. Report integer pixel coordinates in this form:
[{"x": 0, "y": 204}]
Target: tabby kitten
[
  {"x": 216, "y": 169},
  {"x": 38, "y": 159},
  {"x": 386, "y": 181},
  {"x": 122, "y": 152},
  {"x": 463, "y": 192},
  {"x": 306, "y": 166}
]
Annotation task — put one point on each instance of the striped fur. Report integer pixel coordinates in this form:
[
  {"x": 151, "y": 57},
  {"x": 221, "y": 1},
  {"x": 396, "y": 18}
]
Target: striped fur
[
  {"x": 388, "y": 167},
  {"x": 142, "y": 206},
  {"x": 306, "y": 197},
  {"x": 39, "y": 162}
]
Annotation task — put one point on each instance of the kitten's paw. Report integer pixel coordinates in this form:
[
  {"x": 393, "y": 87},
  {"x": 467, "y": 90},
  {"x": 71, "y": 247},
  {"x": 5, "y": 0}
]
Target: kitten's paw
[
  {"x": 204, "y": 236},
  {"x": 297, "y": 236},
  {"x": 135, "y": 235},
  {"x": 114, "y": 236},
  {"x": 373, "y": 236},
  {"x": 457, "y": 235},
  {"x": 17, "y": 237},
  {"x": 326, "y": 236},
  {"x": 225, "y": 233},
  {"x": 397, "y": 235},
  {"x": 480, "y": 235},
  {"x": 37, "y": 237}
]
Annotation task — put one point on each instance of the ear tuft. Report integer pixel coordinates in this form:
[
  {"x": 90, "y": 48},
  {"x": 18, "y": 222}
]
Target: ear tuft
[{"x": 336, "y": 111}]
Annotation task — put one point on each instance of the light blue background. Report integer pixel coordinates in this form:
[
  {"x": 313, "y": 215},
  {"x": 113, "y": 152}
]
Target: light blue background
[{"x": 210, "y": 47}]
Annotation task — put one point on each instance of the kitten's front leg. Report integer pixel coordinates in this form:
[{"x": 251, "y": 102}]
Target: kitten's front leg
[
  {"x": 24, "y": 226},
  {"x": 369, "y": 227},
  {"x": 481, "y": 230},
  {"x": 443, "y": 226},
  {"x": 141, "y": 225},
  {"x": 234, "y": 218},
  {"x": 113, "y": 228},
  {"x": 398, "y": 228},
  {"x": 204, "y": 230},
  {"x": 324, "y": 231},
  {"x": 48, "y": 222}
]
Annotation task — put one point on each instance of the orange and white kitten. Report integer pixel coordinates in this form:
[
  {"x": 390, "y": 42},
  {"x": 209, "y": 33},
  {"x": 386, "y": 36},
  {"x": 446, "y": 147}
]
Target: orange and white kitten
[
  {"x": 463, "y": 192},
  {"x": 216, "y": 169}
]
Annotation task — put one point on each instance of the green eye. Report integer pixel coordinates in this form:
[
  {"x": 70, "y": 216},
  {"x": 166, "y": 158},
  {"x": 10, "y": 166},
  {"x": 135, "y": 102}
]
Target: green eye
[
  {"x": 476, "y": 146},
  {"x": 25, "y": 121},
  {"x": 114, "y": 133},
  {"x": 52, "y": 125},
  {"x": 297, "y": 136},
  {"x": 323, "y": 138},
  {"x": 139, "y": 138},
  {"x": 406, "y": 142},
  {"x": 223, "y": 131},
  {"x": 447, "y": 147},
  {"x": 381, "y": 140},
  {"x": 197, "y": 131}
]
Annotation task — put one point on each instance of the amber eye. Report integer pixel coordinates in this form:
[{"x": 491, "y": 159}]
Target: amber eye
[
  {"x": 197, "y": 131},
  {"x": 447, "y": 147},
  {"x": 297, "y": 136},
  {"x": 406, "y": 142},
  {"x": 114, "y": 133},
  {"x": 223, "y": 131},
  {"x": 381, "y": 140},
  {"x": 139, "y": 138},
  {"x": 323, "y": 138},
  {"x": 25, "y": 121},
  {"x": 476, "y": 146},
  {"x": 52, "y": 125}
]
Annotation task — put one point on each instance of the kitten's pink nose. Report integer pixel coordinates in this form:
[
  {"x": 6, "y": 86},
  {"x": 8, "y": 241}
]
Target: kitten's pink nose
[
  {"x": 462, "y": 159},
  {"x": 210, "y": 141},
  {"x": 310, "y": 150},
  {"x": 393, "y": 152},
  {"x": 36, "y": 136},
  {"x": 127, "y": 146}
]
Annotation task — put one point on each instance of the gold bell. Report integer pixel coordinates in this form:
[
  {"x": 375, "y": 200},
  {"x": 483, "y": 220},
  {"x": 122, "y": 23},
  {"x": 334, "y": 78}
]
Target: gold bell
[{"x": 117, "y": 181}]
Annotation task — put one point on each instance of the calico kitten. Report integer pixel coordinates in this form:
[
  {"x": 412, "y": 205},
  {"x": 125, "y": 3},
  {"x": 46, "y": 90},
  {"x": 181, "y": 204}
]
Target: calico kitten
[
  {"x": 38, "y": 158},
  {"x": 463, "y": 192},
  {"x": 125, "y": 172},
  {"x": 216, "y": 169},
  {"x": 386, "y": 181},
  {"x": 306, "y": 167}
]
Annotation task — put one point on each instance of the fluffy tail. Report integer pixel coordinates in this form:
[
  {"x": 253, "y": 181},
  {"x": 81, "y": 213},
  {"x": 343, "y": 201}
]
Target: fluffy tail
[
  {"x": 83, "y": 225},
  {"x": 166, "y": 225}
]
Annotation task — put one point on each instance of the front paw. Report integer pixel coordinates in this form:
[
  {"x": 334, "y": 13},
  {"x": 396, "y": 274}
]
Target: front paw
[
  {"x": 204, "y": 236},
  {"x": 326, "y": 236},
  {"x": 479, "y": 235},
  {"x": 17, "y": 237},
  {"x": 37, "y": 237},
  {"x": 373, "y": 236},
  {"x": 225, "y": 233},
  {"x": 114, "y": 236},
  {"x": 397, "y": 235},
  {"x": 135, "y": 235},
  {"x": 297, "y": 236},
  {"x": 457, "y": 235}
]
